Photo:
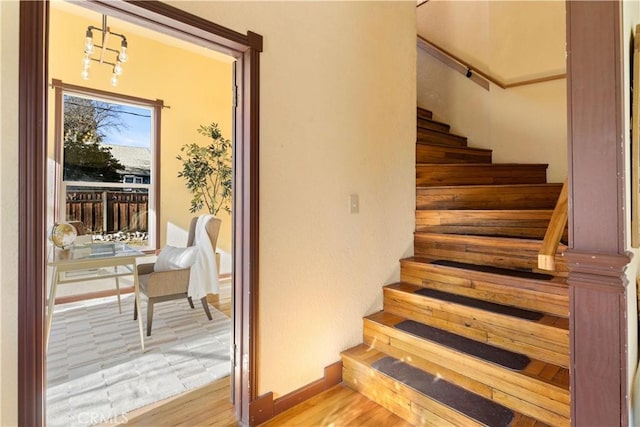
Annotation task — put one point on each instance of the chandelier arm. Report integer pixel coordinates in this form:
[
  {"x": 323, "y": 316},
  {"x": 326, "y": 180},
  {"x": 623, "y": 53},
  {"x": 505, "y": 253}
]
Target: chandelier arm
[{"x": 121, "y": 55}]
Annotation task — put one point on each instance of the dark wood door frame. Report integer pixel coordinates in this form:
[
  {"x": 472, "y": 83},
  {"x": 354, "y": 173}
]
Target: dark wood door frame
[
  {"x": 33, "y": 89},
  {"x": 597, "y": 262}
]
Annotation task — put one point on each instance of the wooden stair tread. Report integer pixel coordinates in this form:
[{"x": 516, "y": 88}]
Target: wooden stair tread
[
  {"x": 531, "y": 370},
  {"x": 504, "y": 286},
  {"x": 432, "y": 124},
  {"x": 540, "y": 390},
  {"x": 538, "y": 335},
  {"x": 505, "y": 358},
  {"x": 519, "y": 279},
  {"x": 424, "y": 113},
  {"x": 409, "y": 403},
  {"x": 524, "y": 274},
  {"x": 469, "y": 303},
  {"x": 479, "y": 173},
  {"x": 483, "y": 410}
]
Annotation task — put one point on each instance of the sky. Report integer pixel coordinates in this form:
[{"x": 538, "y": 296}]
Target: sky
[{"x": 137, "y": 128}]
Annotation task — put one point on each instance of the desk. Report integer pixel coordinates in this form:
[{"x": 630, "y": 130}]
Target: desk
[{"x": 93, "y": 262}]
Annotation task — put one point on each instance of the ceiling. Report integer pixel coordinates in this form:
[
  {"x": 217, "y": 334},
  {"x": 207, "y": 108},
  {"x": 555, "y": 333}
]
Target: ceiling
[{"x": 124, "y": 27}]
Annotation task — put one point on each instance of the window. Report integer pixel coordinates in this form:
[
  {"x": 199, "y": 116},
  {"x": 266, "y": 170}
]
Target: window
[{"x": 107, "y": 168}]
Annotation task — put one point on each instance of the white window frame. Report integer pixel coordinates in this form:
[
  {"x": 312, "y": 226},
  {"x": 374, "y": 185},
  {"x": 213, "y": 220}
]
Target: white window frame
[{"x": 153, "y": 217}]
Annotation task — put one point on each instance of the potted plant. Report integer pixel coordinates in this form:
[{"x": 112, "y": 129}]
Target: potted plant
[{"x": 207, "y": 171}]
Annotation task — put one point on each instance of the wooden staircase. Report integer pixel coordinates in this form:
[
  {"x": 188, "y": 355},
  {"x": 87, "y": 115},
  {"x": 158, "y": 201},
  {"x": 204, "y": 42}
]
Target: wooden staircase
[{"x": 474, "y": 334}]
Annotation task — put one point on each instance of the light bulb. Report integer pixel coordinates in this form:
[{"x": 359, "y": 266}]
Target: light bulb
[
  {"x": 117, "y": 69},
  {"x": 85, "y": 75},
  {"x": 123, "y": 54},
  {"x": 114, "y": 80},
  {"x": 88, "y": 47},
  {"x": 88, "y": 44},
  {"x": 86, "y": 62}
]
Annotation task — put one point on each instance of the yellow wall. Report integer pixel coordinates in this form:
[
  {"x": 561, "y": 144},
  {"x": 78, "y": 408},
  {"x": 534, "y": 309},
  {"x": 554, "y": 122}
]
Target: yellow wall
[
  {"x": 195, "y": 86},
  {"x": 338, "y": 96},
  {"x": 512, "y": 41}
]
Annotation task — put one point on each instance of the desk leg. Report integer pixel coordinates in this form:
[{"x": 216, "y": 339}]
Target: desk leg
[
  {"x": 118, "y": 293},
  {"x": 136, "y": 289},
  {"x": 52, "y": 297}
]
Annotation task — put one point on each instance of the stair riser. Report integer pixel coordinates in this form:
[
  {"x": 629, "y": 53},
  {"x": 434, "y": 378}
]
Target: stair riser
[
  {"x": 426, "y": 153},
  {"x": 537, "y": 340},
  {"x": 435, "y": 137},
  {"x": 507, "y": 223},
  {"x": 489, "y": 197},
  {"x": 433, "y": 125},
  {"x": 483, "y": 252},
  {"x": 437, "y": 175},
  {"x": 529, "y": 296},
  {"x": 536, "y": 399}
]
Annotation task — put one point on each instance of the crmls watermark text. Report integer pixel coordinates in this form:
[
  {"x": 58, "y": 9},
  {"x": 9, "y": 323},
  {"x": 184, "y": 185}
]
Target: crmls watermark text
[{"x": 91, "y": 418}]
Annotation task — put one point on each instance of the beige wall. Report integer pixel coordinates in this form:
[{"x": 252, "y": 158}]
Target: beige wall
[
  {"x": 195, "y": 85},
  {"x": 338, "y": 102},
  {"x": 8, "y": 216},
  {"x": 512, "y": 41},
  {"x": 337, "y": 117}
]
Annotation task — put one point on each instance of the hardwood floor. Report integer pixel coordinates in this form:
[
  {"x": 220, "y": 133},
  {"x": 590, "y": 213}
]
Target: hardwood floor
[
  {"x": 338, "y": 406},
  {"x": 206, "y": 406},
  {"x": 210, "y": 406}
]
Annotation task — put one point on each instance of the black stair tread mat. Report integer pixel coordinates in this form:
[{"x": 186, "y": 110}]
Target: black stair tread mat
[
  {"x": 506, "y": 358},
  {"x": 483, "y": 305},
  {"x": 477, "y": 407},
  {"x": 495, "y": 270}
]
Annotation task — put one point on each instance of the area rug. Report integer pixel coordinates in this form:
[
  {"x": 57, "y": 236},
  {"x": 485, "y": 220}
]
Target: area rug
[{"x": 96, "y": 372}]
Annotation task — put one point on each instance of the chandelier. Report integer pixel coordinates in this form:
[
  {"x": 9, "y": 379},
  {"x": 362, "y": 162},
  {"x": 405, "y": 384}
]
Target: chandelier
[{"x": 103, "y": 53}]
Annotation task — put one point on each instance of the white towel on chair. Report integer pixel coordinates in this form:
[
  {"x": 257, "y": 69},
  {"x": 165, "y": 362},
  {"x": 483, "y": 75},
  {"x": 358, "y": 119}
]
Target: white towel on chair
[{"x": 203, "y": 278}]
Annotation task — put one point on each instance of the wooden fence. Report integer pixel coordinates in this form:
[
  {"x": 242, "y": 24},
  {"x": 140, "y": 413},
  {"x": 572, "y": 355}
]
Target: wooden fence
[{"x": 125, "y": 211}]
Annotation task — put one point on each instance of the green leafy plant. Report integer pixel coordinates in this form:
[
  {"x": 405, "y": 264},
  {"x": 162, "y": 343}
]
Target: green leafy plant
[{"x": 207, "y": 170}]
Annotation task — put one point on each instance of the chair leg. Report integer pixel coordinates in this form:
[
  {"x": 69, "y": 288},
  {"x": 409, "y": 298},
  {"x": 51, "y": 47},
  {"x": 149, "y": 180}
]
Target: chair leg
[
  {"x": 190, "y": 302},
  {"x": 135, "y": 309},
  {"x": 205, "y": 305},
  {"x": 149, "y": 315}
]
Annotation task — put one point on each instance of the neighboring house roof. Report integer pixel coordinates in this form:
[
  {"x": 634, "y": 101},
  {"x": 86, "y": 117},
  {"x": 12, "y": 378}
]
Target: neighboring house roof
[{"x": 136, "y": 160}]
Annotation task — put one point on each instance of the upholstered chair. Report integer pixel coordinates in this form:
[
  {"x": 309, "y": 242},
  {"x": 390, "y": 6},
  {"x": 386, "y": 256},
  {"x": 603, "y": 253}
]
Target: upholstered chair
[{"x": 168, "y": 285}]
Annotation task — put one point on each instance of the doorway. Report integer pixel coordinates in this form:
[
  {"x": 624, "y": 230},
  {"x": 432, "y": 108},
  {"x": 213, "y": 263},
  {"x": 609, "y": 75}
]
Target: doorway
[{"x": 32, "y": 141}]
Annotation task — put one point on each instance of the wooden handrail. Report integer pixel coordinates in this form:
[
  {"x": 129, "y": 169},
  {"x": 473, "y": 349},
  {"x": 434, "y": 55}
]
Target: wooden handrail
[
  {"x": 557, "y": 223},
  {"x": 478, "y": 76}
]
